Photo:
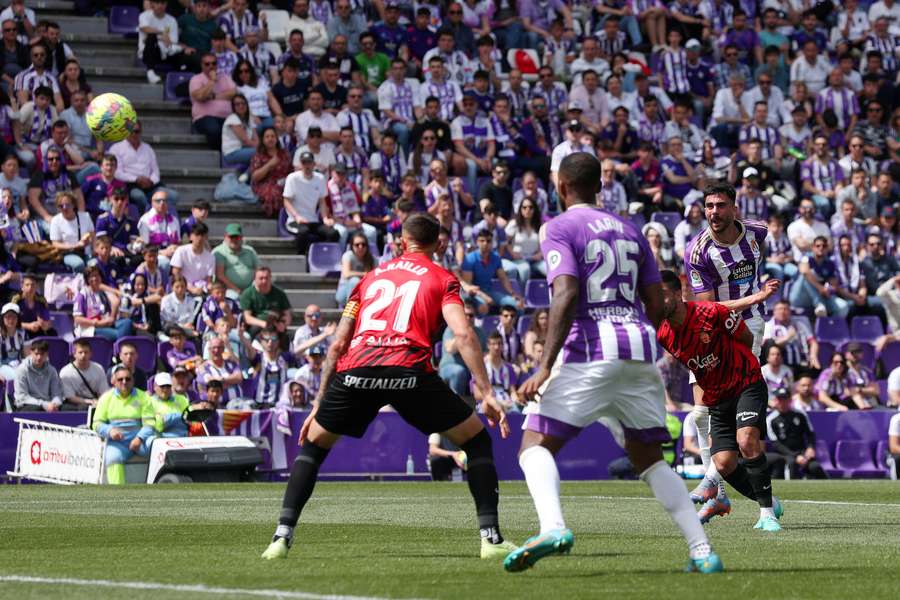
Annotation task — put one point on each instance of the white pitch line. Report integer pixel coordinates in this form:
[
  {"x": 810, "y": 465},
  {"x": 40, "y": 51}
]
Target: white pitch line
[{"x": 184, "y": 588}]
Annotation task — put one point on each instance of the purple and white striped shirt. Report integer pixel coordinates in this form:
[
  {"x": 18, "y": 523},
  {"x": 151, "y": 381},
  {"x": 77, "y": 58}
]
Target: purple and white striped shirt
[
  {"x": 512, "y": 343},
  {"x": 730, "y": 272},
  {"x": 448, "y": 93},
  {"x": 235, "y": 26},
  {"x": 822, "y": 176},
  {"x": 650, "y": 132},
  {"x": 271, "y": 377},
  {"x": 610, "y": 46},
  {"x": 556, "y": 97},
  {"x": 502, "y": 379},
  {"x": 639, "y": 6},
  {"x": 355, "y": 162},
  {"x": 842, "y": 101},
  {"x": 754, "y": 206},
  {"x": 320, "y": 10},
  {"x": 674, "y": 70},
  {"x": 769, "y": 137},
  {"x": 611, "y": 260},
  {"x": 886, "y": 46},
  {"x": 361, "y": 123}
]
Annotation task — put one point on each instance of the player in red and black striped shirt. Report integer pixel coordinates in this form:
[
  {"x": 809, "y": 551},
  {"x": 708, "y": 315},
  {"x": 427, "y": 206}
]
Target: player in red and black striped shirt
[
  {"x": 715, "y": 344},
  {"x": 382, "y": 355}
]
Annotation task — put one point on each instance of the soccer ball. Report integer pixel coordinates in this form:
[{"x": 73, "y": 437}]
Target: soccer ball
[{"x": 111, "y": 117}]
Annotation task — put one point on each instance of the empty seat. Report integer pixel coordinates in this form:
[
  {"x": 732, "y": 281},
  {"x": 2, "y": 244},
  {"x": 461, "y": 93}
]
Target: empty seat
[
  {"x": 123, "y": 20},
  {"x": 890, "y": 356},
  {"x": 282, "y": 225},
  {"x": 832, "y": 329},
  {"x": 826, "y": 350},
  {"x": 866, "y": 329},
  {"x": 101, "y": 350},
  {"x": 854, "y": 457},
  {"x": 173, "y": 80},
  {"x": 58, "y": 353},
  {"x": 523, "y": 325},
  {"x": 146, "y": 351},
  {"x": 823, "y": 455},
  {"x": 669, "y": 219},
  {"x": 324, "y": 257},
  {"x": 537, "y": 294}
]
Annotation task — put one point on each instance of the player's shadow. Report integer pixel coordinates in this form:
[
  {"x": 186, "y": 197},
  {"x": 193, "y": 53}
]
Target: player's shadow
[{"x": 618, "y": 574}]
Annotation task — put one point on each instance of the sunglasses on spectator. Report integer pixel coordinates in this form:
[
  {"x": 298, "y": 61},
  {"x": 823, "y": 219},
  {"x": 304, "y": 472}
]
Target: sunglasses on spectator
[
  {"x": 123, "y": 379},
  {"x": 454, "y": 12},
  {"x": 314, "y": 315},
  {"x": 235, "y": 237},
  {"x": 209, "y": 63},
  {"x": 360, "y": 245},
  {"x": 53, "y": 159},
  {"x": 13, "y": 29},
  {"x": 269, "y": 338}
]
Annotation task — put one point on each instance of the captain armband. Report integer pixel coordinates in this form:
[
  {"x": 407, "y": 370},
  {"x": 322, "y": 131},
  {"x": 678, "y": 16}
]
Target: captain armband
[{"x": 350, "y": 310}]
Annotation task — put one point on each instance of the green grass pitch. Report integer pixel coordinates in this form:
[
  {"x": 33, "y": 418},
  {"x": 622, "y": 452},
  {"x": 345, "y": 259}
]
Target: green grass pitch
[{"x": 418, "y": 540}]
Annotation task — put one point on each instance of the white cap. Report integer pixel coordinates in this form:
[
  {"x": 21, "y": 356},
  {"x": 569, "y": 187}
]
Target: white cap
[
  {"x": 750, "y": 172},
  {"x": 692, "y": 43},
  {"x": 10, "y": 306},
  {"x": 162, "y": 379}
]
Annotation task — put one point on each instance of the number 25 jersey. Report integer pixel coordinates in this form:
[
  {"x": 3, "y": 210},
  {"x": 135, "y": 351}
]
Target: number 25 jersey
[
  {"x": 612, "y": 261},
  {"x": 398, "y": 310}
]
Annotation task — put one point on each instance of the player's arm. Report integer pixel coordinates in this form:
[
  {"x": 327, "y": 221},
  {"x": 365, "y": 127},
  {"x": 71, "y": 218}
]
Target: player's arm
[
  {"x": 562, "y": 313},
  {"x": 338, "y": 348},
  {"x": 733, "y": 324},
  {"x": 741, "y": 304},
  {"x": 652, "y": 297}
]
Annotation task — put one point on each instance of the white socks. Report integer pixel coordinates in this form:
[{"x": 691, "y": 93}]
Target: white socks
[
  {"x": 766, "y": 512},
  {"x": 701, "y": 420},
  {"x": 669, "y": 489},
  {"x": 542, "y": 477}
]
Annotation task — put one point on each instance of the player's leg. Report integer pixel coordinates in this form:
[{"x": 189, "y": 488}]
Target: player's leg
[
  {"x": 712, "y": 485},
  {"x": 750, "y": 423},
  {"x": 640, "y": 409}
]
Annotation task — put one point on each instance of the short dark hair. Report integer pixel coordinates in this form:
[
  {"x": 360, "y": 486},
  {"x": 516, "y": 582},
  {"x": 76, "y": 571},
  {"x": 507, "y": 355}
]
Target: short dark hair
[
  {"x": 719, "y": 188},
  {"x": 422, "y": 228},
  {"x": 218, "y": 34},
  {"x": 671, "y": 280},
  {"x": 39, "y": 345},
  {"x": 200, "y": 229},
  {"x": 495, "y": 336},
  {"x": 82, "y": 343},
  {"x": 581, "y": 172},
  {"x": 485, "y": 233}
]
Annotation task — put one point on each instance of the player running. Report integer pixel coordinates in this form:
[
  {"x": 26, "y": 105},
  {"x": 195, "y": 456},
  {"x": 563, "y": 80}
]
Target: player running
[
  {"x": 382, "y": 355},
  {"x": 600, "y": 268},
  {"x": 723, "y": 264},
  {"x": 715, "y": 344}
]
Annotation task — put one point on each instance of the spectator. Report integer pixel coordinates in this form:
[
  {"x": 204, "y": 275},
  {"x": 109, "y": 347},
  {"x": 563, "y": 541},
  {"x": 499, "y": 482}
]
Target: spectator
[
  {"x": 805, "y": 397},
  {"x": 878, "y": 266},
  {"x": 95, "y": 312},
  {"x": 10, "y": 178},
  {"x": 239, "y": 139},
  {"x": 125, "y": 419},
  {"x": 658, "y": 239},
  {"x": 263, "y": 301},
  {"x": 851, "y": 282},
  {"x": 72, "y": 158},
  {"x": 893, "y": 387},
  {"x": 237, "y": 21},
  {"x": 71, "y": 231},
  {"x": 141, "y": 306},
  {"x": 169, "y": 408},
  {"x": 158, "y": 228},
  {"x": 817, "y": 287},
  {"x": 120, "y": 228},
  {"x": 291, "y": 91},
  {"x": 195, "y": 262},
  {"x": 523, "y": 245},
  {"x": 217, "y": 368},
  {"x": 98, "y": 189},
  {"x": 226, "y": 59},
  {"x": 356, "y": 261},
  {"x": 196, "y": 27},
  {"x": 178, "y": 309},
  {"x": 310, "y": 335},
  {"x": 269, "y": 169},
  {"x": 810, "y": 67},
  {"x": 397, "y": 101},
  {"x": 180, "y": 354},
  {"x": 510, "y": 338},
  {"x": 728, "y": 111},
  {"x": 354, "y": 159},
  {"x": 775, "y": 373},
  {"x": 271, "y": 370},
  {"x": 157, "y": 279},
  {"x": 158, "y": 43},
  {"x": 260, "y": 57},
  {"x": 199, "y": 214},
  {"x": 36, "y": 76},
  {"x": 862, "y": 380},
  {"x": 211, "y": 94},
  {"x": 136, "y": 165},
  {"x": 479, "y": 268},
  {"x": 799, "y": 347},
  {"x": 35, "y": 121},
  {"x": 537, "y": 332},
  {"x": 14, "y": 57},
  {"x": 314, "y": 33},
  {"x": 805, "y": 229},
  {"x": 751, "y": 202},
  {"x": 452, "y": 369},
  {"x": 342, "y": 207},
  {"x": 889, "y": 294},
  {"x": 218, "y": 306},
  {"x": 501, "y": 374},
  {"x": 236, "y": 262},
  {"x": 83, "y": 380},
  {"x": 833, "y": 386},
  {"x": 822, "y": 176},
  {"x": 793, "y": 440},
  {"x": 34, "y": 315},
  {"x": 12, "y": 342},
  {"x": 128, "y": 357},
  {"x": 37, "y": 385},
  {"x": 375, "y": 210},
  {"x": 72, "y": 81},
  {"x": 256, "y": 91}
]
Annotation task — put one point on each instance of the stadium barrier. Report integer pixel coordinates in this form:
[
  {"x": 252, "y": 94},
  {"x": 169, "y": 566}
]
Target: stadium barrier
[
  {"x": 57, "y": 453},
  {"x": 389, "y": 441}
]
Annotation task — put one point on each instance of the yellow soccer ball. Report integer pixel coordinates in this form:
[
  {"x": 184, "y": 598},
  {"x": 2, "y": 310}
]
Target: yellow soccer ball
[{"x": 111, "y": 117}]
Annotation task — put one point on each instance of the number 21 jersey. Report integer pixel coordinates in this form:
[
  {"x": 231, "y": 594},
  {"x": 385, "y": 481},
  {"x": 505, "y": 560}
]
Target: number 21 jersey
[
  {"x": 612, "y": 261},
  {"x": 398, "y": 311}
]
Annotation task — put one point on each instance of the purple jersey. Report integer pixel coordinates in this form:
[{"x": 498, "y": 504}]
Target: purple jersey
[
  {"x": 730, "y": 272},
  {"x": 612, "y": 261}
]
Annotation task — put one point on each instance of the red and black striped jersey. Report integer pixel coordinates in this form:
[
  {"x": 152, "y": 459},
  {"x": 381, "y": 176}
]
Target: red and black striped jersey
[
  {"x": 398, "y": 311},
  {"x": 706, "y": 344}
]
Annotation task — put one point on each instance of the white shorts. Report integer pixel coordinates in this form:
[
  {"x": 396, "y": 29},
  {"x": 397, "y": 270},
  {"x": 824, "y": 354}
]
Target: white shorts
[
  {"x": 756, "y": 325},
  {"x": 578, "y": 394}
]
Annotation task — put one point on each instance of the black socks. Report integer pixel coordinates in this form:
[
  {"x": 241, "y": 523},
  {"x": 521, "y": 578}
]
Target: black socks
[
  {"x": 301, "y": 483},
  {"x": 483, "y": 484}
]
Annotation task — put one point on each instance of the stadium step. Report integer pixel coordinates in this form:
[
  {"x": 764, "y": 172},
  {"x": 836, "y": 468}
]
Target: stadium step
[
  {"x": 56, "y": 6},
  {"x": 102, "y": 41},
  {"x": 178, "y": 176},
  {"x": 188, "y": 160},
  {"x": 162, "y": 108},
  {"x": 284, "y": 264},
  {"x": 100, "y": 57},
  {"x": 75, "y": 26},
  {"x": 122, "y": 71},
  {"x": 230, "y": 211},
  {"x": 265, "y": 246},
  {"x": 159, "y": 125},
  {"x": 189, "y": 192},
  {"x": 259, "y": 227},
  {"x": 132, "y": 89},
  {"x": 304, "y": 281},
  {"x": 324, "y": 298},
  {"x": 174, "y": 141}
]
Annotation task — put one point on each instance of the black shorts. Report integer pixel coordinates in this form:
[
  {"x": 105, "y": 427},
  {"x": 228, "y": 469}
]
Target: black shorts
[
  {"x": 748, "y": 409},
  {"x": 354, "y": 397}
]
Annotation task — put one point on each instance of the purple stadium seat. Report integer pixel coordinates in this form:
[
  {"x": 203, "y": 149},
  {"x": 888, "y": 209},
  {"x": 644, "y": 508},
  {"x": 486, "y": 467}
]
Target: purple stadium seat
[
  {"x": 514, "y": 283},
  {"x": 669, "y": 219},
  {"x": 62, "y": 323},
  {"x": 832, "y": 329},
  {"x": 489, "y": 323},
  {"x": 826, "y": 350},
  {"x": 324, "y": 257},
  {"x": 855, "y": 458},
  {"x": 282, "y": 230},
  {"x": 881, "y": 454},
  {"x": 173, "y": 79},
  {"x": 868, "y": 349},
  {"x": 537, "y": 295},
  {"x": 866, "y": 329},
  {"x": 823, "y": 455},
  {"x": 163, "y": 348},
  {"x": 523, "y": 325},
  {"x": 59, "y": 351},
  {"x": 638, "y": 220},
  {"x": 890, "y": 356},
  {"x": 101, "y": 350},
  {"x": 146, "y": 349},
  {"x": 123, "y": 20}
]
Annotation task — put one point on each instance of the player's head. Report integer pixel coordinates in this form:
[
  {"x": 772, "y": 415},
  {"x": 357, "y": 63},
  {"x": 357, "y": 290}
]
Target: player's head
[
  {"x": 719, "y": 206},
  {"x": 578, "y": 179},
  {"x": 671, "y": 285},
  {"x": 420, "y": 234}
]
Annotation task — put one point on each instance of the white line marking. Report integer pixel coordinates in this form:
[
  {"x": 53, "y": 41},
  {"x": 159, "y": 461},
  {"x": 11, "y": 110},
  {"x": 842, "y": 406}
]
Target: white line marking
[{"x": 184, "y": 588}]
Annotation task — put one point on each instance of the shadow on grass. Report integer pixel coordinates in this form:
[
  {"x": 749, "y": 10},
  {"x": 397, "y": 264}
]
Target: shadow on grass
[{"x": 618, "y": 574}]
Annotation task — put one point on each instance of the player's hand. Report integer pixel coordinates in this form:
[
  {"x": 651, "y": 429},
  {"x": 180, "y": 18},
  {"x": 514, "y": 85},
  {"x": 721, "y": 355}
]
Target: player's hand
[
  {"x": 494, "y": 413},
  {"x": 529, "y": 389},
  {"x": 304, "y": 430},
  {"x": 770, "y": 287},
  {"x": 135, "y": 444}
]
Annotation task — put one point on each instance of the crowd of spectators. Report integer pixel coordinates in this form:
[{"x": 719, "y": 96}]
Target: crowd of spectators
[{"x": 354, "y": 114}]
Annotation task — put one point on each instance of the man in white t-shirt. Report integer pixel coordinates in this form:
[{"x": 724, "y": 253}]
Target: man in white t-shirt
[
  {"x": 71, "y": 231},
  {"x": 315, "y": 116},
  {"x": 807, "y": 228},
  {"x": 158, "y": 40},
  {"x": 304, "y": 194},
  {"x": 195, "y": 262},
  {"x": 889, "y": 9},
  {"x": 572, "y": 144}
]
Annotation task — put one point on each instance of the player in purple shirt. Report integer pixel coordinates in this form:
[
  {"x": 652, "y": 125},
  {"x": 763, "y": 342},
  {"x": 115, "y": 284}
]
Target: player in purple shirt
[
  {"x": 723, "y": 265},
  {"x": 601, "y": 269}
]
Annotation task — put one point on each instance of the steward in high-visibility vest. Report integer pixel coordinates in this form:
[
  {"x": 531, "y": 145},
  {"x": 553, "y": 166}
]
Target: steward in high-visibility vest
[{"x": 124, "y": 418}]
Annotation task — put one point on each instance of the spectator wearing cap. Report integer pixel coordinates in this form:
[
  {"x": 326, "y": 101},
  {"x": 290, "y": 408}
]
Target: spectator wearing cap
[
  {"x": 168, "y": 410},
  {"x": 98, "y": 188},
  {"x": 263, "y": 301},
  {"x": 576, "y": 141},
  {"x": 158, "y": 43},
  {"x": 37, "y": 385},
  {"x": 71, "y": 231},
  {"x": 194, "y": 261},
  {"x": 700, "y": 80},
  {"x": 750, "y": 201},
  {"x": 315, "y": 34},
  {"x": 236, "y": 261},
  {"x": 83, "y": 380},
  {"x": 12, "y": 342},
  {"x": 157, "y": 227},
  {"x": 793, "y": 440},
  {"x": 342, "y": 207},
  {"x": 34, "y": 314},
  {"x": 305, "y": 198},
  {"x": 136, "y": 165},
  {"x": 125, "y": 419},
  {"x": 211, "y": 94},
  {"x": 196, "y": 27}
]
